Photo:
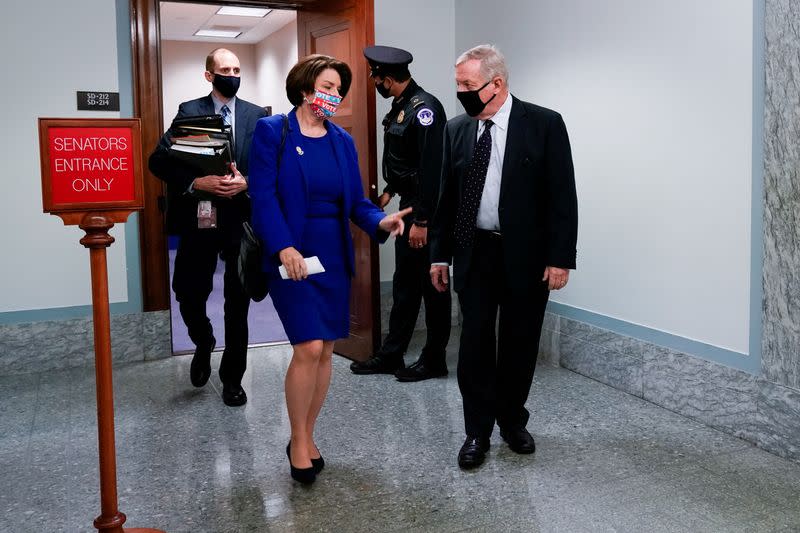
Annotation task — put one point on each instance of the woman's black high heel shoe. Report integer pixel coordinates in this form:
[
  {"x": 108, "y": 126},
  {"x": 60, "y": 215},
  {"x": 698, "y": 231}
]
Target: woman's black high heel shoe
[
  {"x": 306, "y": 476},
  {"x": 317, "y": 464}
]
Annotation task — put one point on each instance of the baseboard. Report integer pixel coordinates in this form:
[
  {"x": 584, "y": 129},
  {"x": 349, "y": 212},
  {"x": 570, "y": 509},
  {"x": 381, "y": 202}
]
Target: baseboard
[{"x": 58, "y": 344}]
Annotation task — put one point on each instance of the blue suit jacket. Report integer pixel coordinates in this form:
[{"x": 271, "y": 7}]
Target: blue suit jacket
[{"x": 280, "y": 198}]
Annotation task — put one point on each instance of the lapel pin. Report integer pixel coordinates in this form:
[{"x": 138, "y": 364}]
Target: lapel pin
[{"x": 299, "y": 150}]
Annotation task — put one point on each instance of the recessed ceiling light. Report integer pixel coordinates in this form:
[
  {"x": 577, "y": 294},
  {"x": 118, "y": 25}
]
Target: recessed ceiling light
[
  {"x": 243, "y": 11},
  {"x": 218, "y": 33}
]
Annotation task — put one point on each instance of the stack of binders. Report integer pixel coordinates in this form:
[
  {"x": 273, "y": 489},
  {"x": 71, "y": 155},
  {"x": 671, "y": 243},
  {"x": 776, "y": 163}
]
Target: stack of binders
[{"x": 203, "y": 142}]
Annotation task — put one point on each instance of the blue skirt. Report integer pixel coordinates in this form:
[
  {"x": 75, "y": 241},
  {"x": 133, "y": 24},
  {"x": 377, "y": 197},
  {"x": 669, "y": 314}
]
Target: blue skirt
[{"x": 318, "y": 307}]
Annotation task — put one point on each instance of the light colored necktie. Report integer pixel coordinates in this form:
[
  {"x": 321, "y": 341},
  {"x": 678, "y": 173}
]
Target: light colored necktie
[{"x": 226, "y": 115}]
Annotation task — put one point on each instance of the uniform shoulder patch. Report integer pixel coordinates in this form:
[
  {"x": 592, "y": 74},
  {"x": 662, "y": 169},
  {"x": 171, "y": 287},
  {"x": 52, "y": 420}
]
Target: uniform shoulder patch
[{"x": 425, "y": 116}]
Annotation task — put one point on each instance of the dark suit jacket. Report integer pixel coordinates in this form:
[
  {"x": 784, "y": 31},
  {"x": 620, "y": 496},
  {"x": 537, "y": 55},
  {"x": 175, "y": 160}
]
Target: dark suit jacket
[
  {"x": 181, "y": 205},
  {"x": 538, "y": 207},
  {"x": 280, "y": 198}
]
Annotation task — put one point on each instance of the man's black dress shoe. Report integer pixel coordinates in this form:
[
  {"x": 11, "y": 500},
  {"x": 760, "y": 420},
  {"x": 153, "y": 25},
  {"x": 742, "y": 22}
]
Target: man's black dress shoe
[
  {"x": 419, "y": 371},
  {"x": 233, "y": 395},
  {"x": 519, "y": 440},
  {"x": 377, "y": 364},
  {"x": 200, "y": 369},
  {"x": 317, "y": 464},
  {"x": 473, "y": 452}
]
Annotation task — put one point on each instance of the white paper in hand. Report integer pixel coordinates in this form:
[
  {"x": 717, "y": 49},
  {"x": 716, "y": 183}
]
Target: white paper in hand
[{"x": 312, "y": 264}]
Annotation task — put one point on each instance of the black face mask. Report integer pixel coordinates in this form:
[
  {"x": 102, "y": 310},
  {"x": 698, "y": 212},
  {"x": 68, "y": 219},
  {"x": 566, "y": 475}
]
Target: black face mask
[
  {"x": 382, "y": 90},
  {"x": 226, "y": 85},
  {"x": 472, "y": 102}
]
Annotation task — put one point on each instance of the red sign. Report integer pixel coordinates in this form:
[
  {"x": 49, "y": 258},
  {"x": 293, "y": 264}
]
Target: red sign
[{"x": 90, "y": 164}]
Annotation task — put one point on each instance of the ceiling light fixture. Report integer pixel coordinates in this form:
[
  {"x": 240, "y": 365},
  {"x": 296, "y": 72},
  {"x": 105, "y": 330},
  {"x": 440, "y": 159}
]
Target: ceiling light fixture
[
  {"x": 218, "y": 33},
  {"x": 243, "y": 11}
]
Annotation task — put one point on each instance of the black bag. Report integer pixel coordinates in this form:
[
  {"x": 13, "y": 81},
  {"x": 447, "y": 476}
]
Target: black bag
[
  {"x": 254, "y": 280},
  {"x": 251, "y": 274}
]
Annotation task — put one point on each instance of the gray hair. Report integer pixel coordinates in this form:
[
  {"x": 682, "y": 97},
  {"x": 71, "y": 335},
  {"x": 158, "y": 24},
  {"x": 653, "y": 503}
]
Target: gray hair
[{"x": 493, "y": 64}]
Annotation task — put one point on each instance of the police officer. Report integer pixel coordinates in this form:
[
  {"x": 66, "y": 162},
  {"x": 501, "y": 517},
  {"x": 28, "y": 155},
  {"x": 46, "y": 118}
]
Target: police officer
[{"x": 412, "y": 158}]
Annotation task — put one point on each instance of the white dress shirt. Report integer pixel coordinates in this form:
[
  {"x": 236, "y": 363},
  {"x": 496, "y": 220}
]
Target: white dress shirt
[{"x": 488, "y": 216}]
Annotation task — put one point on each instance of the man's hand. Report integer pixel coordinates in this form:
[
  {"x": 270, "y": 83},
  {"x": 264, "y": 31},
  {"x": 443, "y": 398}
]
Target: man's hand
[
  {"x": 440, "y": 277},
  {"x": 226, "y": 186},
  {"x": 294, "y": 263},
  {"x": 417, "y": 237},
  {"x": 384, "y": 199},
  {"x": 393, "y": 224},
  {"x": 556, "y": 278}
]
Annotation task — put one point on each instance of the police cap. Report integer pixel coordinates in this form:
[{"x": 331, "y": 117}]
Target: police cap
[{"x": 385, "y": 60}]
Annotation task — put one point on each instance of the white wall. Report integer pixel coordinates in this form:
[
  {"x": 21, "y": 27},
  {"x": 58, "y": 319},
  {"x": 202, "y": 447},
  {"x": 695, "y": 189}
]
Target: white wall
[
  {"x": 657, "y": 98},
  {"x": 183, "y": 66},
  {"x": 43, "y": 264},
  {"x": 275, "y": 56},
  {"x": 656, "y": 95},
  {"x": 426, "y": 29}
]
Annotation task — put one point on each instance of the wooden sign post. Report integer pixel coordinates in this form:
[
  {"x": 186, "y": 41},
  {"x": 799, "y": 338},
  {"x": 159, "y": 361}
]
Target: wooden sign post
[{"x": 92, "y": 178}]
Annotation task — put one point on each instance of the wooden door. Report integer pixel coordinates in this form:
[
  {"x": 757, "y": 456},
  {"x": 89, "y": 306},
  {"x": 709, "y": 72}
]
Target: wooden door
[{"x": 342, "y": 28}]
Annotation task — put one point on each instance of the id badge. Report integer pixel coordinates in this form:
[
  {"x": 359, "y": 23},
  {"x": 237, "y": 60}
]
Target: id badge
[{"x": 206, "y": 214}]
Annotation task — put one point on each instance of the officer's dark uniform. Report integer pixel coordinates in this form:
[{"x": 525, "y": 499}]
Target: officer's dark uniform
[{"x": 412, "y": 157}]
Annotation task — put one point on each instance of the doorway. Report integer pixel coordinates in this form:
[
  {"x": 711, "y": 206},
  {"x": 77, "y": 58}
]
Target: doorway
[
  {"x": 265, "y": 40},
  {"x": 336, "y": 27}
]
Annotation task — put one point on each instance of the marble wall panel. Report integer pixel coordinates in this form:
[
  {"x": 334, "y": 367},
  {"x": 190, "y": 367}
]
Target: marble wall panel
[
  {"x": 44, "y": 346},
  {"x": 781, "y": 274},
  {"x": 599, "y": 360},
  {"x": 777, "y": 422},
  {"x": 731, "y": 400},
  {"x": 126, "y": 338},
  {"x": 156, "y": 335},
  {"x": 60, "y": 344},
  {"x": 719, "y": 396},
  {"x": 549, "y": 344}
]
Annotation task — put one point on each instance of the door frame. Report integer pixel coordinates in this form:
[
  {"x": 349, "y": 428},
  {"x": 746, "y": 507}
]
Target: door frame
[{"x": 147, "y": 106}]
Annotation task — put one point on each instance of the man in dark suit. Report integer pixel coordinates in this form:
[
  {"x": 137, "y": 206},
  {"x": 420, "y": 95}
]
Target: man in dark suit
[
  {"x": 507, "y": 219},
  {"x": 207, "y": 213}
]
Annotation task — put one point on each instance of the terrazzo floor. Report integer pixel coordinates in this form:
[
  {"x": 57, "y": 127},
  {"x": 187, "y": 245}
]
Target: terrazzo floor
[{"x": 605, "y": 461}]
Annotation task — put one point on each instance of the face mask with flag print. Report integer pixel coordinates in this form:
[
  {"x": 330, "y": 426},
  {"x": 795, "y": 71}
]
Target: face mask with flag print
[{"x": 324, "y": 104}]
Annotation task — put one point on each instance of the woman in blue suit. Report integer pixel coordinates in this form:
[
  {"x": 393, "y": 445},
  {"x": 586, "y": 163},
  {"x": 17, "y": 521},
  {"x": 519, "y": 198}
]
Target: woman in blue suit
[{"x": 302, "y": 208}]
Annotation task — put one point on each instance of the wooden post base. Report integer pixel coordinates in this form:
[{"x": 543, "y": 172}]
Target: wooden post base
[{"x": 97, "y": 239}]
